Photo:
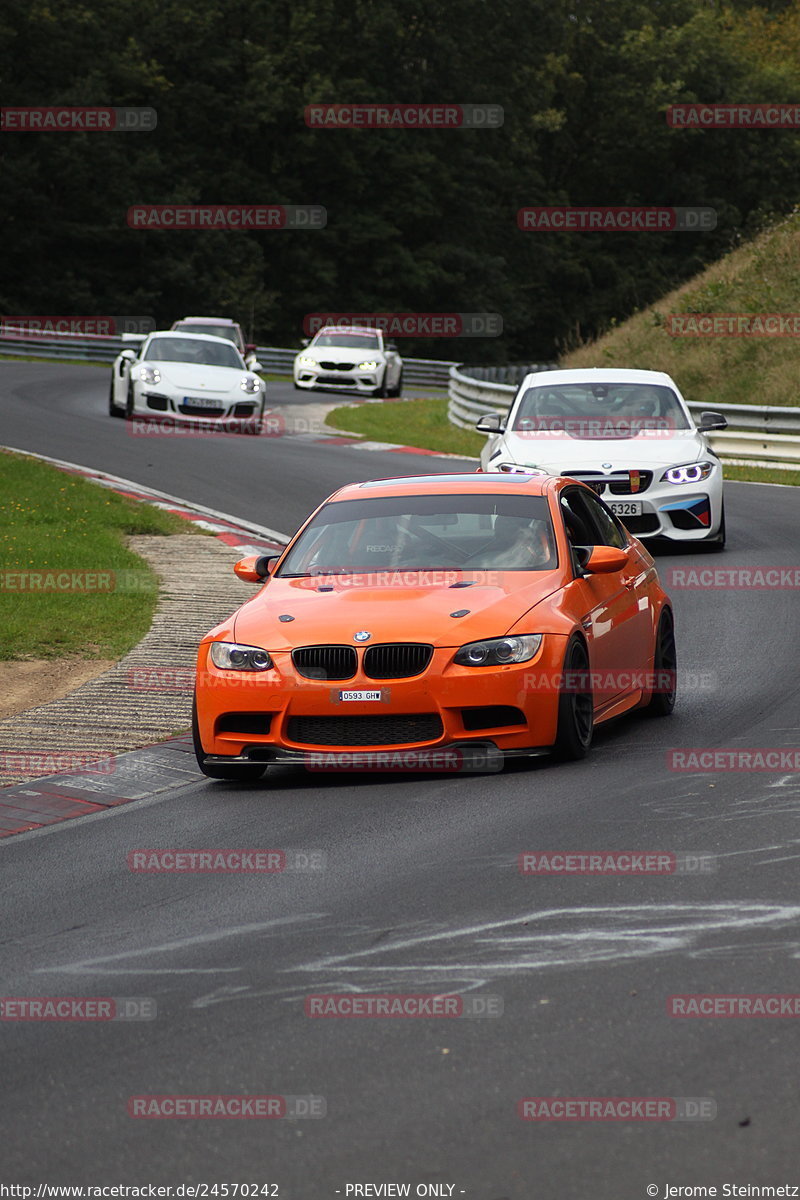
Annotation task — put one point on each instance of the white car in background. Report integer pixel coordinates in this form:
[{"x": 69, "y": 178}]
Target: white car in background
[
  {"x": 187, "y": 377},
  {"x": 350, "y": 359},
  {"x": 629, "y": 435}
]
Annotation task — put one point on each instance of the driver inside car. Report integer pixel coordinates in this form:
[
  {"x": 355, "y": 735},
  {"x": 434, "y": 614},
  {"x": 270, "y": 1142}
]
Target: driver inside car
[{"x": 528, "y": 547}]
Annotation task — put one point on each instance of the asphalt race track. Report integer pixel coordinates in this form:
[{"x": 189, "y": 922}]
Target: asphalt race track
[{"x": 420, "y": 893}]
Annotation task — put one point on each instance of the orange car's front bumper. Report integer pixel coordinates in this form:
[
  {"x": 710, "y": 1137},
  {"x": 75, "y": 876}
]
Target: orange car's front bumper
[{"x": 280, "y": 710}]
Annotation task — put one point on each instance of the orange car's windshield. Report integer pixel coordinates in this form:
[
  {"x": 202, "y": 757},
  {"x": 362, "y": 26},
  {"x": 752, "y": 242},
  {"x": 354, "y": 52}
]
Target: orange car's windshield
[{"x": 478, "y": 532}]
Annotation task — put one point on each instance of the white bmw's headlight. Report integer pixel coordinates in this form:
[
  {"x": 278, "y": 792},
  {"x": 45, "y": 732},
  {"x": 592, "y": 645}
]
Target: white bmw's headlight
[
  {"x": 497, "y": 652},
  {"x": 230, "y": 656},
  {"x": 305, "y": 361},
  {"x": 149, "y": 375},
  {"x": 250, "y": 384},
  {"x": 688, "y": 473},
  {"x": 371, "y": 365},
  {"x": 509, "y": 468}
]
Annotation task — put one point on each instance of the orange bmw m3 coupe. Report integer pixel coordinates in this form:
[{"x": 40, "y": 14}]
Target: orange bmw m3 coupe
[{"x": 442, "y": 621}]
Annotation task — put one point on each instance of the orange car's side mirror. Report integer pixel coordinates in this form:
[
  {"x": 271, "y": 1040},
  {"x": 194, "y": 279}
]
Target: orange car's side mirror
[
  {"x": 255, "y": 568},
  {"x": 605, "y": 560}
]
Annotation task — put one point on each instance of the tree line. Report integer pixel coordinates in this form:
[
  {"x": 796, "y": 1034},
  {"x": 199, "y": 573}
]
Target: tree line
[{"x": 418, "y": 220}]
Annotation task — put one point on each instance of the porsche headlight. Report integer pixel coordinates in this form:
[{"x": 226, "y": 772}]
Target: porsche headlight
[
  {"x": 497, "y": 652},
  {"x": 371, "y": 365},
  {"x": 305, "y": 361},
  {"x": 250, "y": 384},
  {"x": 688, "y": 473},
  {"x": 149, "y": 375},
  {"x": 230, "y": 656}
]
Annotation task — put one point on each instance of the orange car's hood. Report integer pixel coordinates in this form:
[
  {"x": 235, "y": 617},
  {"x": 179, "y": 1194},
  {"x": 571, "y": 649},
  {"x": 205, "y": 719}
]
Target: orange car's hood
[{"x": 411, "y": 611}]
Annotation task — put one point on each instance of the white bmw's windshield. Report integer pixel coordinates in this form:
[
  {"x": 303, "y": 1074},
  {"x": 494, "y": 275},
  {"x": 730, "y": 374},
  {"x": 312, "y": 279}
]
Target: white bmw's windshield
[
  {"x": 349, "y": 341},
  {"x": 599, "y": 410}
]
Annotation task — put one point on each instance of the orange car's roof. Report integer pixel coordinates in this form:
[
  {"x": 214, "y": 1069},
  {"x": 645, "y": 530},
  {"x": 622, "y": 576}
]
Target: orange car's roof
[{"x": 474, "y": 483}]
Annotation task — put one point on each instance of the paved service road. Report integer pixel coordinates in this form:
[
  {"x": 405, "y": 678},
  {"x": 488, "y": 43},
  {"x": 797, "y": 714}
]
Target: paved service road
[{"x": 420, "y": 893}]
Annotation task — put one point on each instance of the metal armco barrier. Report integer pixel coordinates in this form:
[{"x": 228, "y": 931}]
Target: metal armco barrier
[
  {"x": 431, "y": 372},
  {"x": 754, "y": 434}
]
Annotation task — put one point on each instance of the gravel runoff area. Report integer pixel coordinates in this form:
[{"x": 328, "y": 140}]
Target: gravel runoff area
[{"x": 147, "y": 696}]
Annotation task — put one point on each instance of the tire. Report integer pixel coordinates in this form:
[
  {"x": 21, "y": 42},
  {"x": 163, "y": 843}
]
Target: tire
[
  {"x": 380, "y": 393},
  {"x": 397, "y": 390},
  {"x": 665, "y": 658},
  {"x": 717, "y": 543},
  {"x": 129, "y": 404},
  {"x": 575, "y": 709},
  {"x": 220, "y": 771},
  {"x": 113, "y": 411}
]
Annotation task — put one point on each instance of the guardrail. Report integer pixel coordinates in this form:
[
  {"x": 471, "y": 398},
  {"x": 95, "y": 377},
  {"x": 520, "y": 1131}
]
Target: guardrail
[
  {"x": 755, "y": 434},
  {"x": 431, "y": 372}
]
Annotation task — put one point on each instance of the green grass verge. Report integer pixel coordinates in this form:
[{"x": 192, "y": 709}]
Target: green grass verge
[
  {"x": 52, "y": 522},
  {"x": 762, "y": 474},
  {"x": 62, "y": 362},
  {"x": 268, "y": 377},
  {"x": 409, "y": 423}
]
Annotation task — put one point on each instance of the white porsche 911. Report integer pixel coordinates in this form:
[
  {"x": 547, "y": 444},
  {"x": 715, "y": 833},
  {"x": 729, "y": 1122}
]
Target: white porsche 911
[
  {"x": 629, "y": 435},
  {"x": 188, "y": 377},
  {"x": 356, "y": 359}
]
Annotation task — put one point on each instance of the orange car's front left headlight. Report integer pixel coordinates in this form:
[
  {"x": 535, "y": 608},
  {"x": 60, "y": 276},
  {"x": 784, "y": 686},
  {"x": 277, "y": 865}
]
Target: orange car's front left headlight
[{"x": 499, "y": 652}]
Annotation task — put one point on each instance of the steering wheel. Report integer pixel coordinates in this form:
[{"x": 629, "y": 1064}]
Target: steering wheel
[{"x": 428, "y": 537}]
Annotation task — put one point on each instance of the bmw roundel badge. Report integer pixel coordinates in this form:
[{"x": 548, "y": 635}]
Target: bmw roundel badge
[{"x": 363, "y": 635}]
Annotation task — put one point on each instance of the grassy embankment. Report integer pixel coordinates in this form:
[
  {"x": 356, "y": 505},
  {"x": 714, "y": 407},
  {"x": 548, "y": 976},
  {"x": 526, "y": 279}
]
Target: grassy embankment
[{"x": 53, "y": 523}]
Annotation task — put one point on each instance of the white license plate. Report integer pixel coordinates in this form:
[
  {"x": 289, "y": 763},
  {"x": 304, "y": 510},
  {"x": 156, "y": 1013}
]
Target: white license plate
[
  {"x": 626, "y": 508},
  {"x": 360, "y": 695},
  {"x": 201, "y": 401}
]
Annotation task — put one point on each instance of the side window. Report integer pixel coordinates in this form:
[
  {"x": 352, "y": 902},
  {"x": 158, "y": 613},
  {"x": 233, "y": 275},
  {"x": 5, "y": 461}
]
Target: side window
[
  {"x": 579, "y": 530},
  {"x": 608, "y": 530}
]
